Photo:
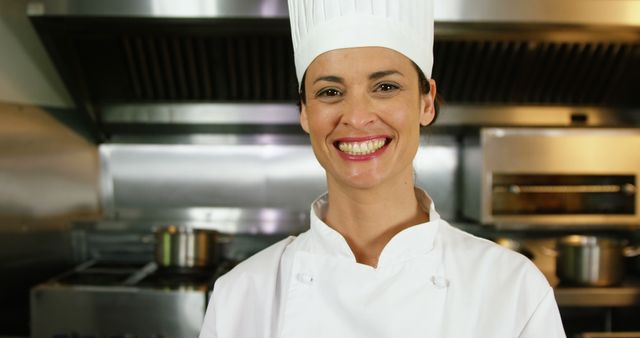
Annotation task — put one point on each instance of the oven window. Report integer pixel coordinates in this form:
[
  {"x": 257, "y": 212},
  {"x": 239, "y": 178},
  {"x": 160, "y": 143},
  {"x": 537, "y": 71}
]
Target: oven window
[{"x": 563, "y": 194}]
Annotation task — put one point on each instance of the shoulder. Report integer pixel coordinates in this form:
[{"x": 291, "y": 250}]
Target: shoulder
[
  {"x": 253, "y": 282},
  {"x": 473, "y": 247},
  {"x": 263, "y": 264},
  {"x": 495, "y": 281},
  {"x": 484, "y": 259}
]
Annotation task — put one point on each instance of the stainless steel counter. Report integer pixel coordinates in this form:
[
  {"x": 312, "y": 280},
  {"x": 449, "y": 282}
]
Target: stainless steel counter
[
  {"x": 627, "y": 294},
  {"x": 108, "y": 299}
]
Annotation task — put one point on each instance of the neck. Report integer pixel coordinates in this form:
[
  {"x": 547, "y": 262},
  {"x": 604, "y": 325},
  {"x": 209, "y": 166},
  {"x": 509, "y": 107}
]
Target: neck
[{"x": 369, "y": 218}]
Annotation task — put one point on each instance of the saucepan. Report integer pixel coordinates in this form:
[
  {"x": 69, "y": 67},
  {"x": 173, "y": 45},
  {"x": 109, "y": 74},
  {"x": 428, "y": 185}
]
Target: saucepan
[
  {"x": 514, "y": 245},
  {"x": 592, "y": 260},
  {"x": 184, "y": 247}
]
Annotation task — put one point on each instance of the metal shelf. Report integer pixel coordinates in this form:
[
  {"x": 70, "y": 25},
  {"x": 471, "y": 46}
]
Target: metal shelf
[{"x": 628, "y": 294}]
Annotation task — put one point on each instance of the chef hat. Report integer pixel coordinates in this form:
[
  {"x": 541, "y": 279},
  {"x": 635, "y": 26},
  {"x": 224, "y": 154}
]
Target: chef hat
[{"x": 318, "y": 26}]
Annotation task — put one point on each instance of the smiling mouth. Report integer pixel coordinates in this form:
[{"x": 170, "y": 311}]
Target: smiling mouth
[{"x": 360, "y": 148}]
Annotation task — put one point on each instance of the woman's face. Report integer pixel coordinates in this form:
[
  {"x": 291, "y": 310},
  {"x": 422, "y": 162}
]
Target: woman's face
[{"x": 363, "y": 112}]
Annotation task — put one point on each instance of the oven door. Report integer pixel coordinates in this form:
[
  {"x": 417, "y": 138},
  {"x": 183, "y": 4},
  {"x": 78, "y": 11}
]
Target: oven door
[
  {"x": 554, "y": 178},
  {"x": 577, "y": 198}
]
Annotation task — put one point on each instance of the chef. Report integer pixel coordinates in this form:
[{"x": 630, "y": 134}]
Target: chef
[{"x": 377, "y": 261}]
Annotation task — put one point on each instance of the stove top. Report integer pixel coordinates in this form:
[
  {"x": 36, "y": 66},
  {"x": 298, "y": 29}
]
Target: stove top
[
  {"x": 171, "y": 279},
  {"x": 147, "y": 275}
]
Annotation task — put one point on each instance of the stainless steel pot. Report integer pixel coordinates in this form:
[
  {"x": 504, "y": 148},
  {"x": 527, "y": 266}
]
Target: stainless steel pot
[
  {"x": 592, "y": 260},
  {"x": 185, "y": 247},
  {"x": 514, "y": 245}
]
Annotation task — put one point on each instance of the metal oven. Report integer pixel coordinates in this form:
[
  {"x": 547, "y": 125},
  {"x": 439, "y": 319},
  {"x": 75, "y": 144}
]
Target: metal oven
[{"x": 552, "y": 177}]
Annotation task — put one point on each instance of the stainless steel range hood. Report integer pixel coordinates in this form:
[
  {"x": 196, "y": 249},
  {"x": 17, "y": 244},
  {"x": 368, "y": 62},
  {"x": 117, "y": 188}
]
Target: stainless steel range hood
[{"x": 209, "y": 66}]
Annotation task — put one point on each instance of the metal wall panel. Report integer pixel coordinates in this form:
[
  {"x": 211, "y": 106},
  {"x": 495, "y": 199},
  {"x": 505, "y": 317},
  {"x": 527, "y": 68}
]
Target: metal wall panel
[
  {"x": 229, "y": 175},
  {"x": 48, "y": 176},
  {"x": 46, "y": 169},
  {"x": 436, "y": 167}
]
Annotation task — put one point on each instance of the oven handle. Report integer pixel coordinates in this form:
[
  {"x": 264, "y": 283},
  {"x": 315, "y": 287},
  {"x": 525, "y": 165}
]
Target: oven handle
[{"x": 627, "y": 188}]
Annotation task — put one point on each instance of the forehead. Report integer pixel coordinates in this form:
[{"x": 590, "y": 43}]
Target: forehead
[{"x": 359, "y": 61}]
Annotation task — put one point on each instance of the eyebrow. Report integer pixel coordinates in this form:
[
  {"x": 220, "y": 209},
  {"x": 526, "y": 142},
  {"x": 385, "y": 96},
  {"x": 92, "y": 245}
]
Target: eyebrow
[
  {"x": 383, "y": 73},
  {"x": 372, "y": 76},
  {"x": 330, "y": 78}
]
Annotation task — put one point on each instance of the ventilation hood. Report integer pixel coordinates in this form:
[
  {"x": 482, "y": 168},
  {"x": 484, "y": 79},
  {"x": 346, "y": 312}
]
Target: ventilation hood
[{"x": 193, "y": 66}]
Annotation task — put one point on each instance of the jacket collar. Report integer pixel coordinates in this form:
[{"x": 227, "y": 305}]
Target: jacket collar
[{"x": 408, "y": 243}]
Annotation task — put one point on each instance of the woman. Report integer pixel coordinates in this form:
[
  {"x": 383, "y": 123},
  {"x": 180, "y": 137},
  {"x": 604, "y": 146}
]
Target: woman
[{"x": 377, "y": 261}]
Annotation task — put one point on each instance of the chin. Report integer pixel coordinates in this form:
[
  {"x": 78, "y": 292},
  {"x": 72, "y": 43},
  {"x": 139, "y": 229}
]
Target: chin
[{"x": 361, "y": 180}]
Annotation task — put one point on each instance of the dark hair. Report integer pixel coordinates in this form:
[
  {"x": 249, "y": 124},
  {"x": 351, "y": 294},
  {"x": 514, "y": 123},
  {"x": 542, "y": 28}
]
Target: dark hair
[{"x": 425, "y": 88}]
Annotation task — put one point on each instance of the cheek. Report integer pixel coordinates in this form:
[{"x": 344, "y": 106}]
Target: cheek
[
  {"x": 402, "y": 116},
  {"x": 322, "y": 122}
]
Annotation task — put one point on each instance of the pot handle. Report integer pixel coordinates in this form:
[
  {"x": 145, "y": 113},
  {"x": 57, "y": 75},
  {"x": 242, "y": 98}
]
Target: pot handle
[{"x": 631, "y": 251}]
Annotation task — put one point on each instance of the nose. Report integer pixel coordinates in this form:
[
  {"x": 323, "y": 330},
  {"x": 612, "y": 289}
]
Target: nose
[{"x": 358, "y": 112}]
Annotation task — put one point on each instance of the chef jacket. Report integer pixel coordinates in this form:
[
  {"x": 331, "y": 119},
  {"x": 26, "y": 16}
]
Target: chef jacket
[{"x": 432, "y": 280}]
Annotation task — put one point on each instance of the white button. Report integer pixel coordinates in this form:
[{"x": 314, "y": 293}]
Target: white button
[
  {"x": 304, "y": 278},
  {"x": 440, "y": 282}
]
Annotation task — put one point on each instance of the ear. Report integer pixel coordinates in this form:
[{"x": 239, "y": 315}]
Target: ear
[
  {"x": 304, "y": 118},
  {"x": 427, "y": 106}
]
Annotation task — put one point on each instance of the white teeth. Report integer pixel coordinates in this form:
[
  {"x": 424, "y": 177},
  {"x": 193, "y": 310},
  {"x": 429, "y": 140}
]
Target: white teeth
[{"x": 361, "y": 148}]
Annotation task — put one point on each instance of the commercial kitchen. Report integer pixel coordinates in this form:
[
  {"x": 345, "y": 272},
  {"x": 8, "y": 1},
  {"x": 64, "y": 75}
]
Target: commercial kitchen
[{"x": 147, "y": 147}]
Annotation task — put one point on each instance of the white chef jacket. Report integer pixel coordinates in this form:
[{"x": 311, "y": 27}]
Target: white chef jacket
[{"x": 432, "y": 280}]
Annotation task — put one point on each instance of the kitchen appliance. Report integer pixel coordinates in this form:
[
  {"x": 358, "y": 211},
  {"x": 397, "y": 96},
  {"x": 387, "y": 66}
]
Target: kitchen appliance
[
  {"x": 609, "y": 335},
  {"x": 515, "y": 245},
  {"x": 592, "y": 260},
  {"x": 158, "y": 67},
  {"x": 185, "y": 247},
  {"x": 552, "y": 177},
  {"x": 116, "y": 299}
]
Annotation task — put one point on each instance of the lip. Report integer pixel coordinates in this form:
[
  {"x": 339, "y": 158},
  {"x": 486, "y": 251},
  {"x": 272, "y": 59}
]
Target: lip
[
  {"x": 361, "y": 138},
  {"x": 366, "y": 157}
]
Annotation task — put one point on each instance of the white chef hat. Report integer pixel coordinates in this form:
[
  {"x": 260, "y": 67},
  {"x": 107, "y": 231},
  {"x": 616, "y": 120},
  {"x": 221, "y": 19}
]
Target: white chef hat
[{"x": 318, "y": 26}]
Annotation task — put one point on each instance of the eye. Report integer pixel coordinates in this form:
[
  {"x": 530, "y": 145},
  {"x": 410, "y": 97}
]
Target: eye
[
  {"x": 386, "y": 87},
  {"x": 328, "y": 92}
]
